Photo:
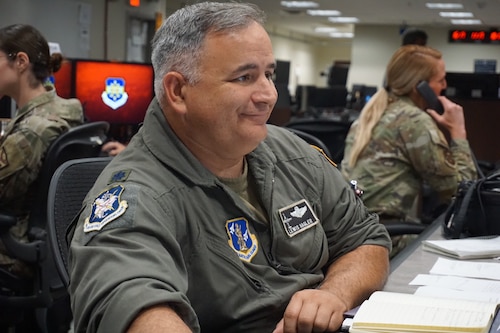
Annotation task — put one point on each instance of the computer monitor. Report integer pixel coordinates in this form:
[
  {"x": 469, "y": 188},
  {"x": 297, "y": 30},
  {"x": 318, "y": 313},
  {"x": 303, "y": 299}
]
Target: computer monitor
[
  {"x": 330, "y": 97},
  {"x": 116, "y": 92},
  {"x": 63, "y": 80},
  {"x": 5, "y": 107},
  {"x": 473, "y": 85}
]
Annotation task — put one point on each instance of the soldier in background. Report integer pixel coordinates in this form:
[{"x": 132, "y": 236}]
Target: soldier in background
[
  {"x": 396, "y": 144},
  {"x": 25, "y": 66},
  {"x": 415, "y": 36}
]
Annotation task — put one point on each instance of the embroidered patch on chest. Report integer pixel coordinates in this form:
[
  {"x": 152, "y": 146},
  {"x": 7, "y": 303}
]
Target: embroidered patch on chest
[
  {"x": 107, "y": 207},
  {"x": 241, "y": 240},
  {"x": 297, "y": 217}
]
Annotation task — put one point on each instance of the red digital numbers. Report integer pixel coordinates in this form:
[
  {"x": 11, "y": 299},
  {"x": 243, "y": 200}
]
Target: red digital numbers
[
  {"x": 477, "y": 35},
  {"x": 495, "y": 36},
  {"x": 459, "y": 35},
  {"x": 474, "y": 36}
]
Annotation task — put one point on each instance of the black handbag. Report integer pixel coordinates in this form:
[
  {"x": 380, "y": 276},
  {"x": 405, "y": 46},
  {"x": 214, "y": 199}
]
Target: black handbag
[{"x": 475, "y": 209}]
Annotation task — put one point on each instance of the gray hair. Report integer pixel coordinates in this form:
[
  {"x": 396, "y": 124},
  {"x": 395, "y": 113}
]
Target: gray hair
[{"x": 177, "y": 45}]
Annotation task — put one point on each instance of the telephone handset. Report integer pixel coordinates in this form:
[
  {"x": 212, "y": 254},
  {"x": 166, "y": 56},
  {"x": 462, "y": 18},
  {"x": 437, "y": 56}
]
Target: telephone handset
[{"x": 430, "y": 97}]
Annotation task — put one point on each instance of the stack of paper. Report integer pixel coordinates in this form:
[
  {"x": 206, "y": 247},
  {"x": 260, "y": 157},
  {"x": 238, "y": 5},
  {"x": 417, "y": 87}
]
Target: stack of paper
[{"x": 465, "y": 248}]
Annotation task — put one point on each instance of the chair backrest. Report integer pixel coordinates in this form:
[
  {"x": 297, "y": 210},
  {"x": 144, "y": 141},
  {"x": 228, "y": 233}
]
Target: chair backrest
[
  {"x": 68, "y": 187},
  {"x": 81, "y": 141},
  {"x": 40, "y": 292},
  {"x": 312, "y": 140},
  {"x": 332, "y": 132}
]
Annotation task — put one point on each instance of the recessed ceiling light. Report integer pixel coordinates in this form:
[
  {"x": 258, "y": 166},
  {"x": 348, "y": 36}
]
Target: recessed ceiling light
[
  {"x": 341, "y": 35},
  {"x": 439, "y": 5},
  {"x": 343, "y": 19},
  {"x": 466, "y": 22},
  {"x": 325, "y": 29},
  {"x": 456, "y": 14},
  {"x": 299, "y": 4},
  {"x": 323, "y": 12}
]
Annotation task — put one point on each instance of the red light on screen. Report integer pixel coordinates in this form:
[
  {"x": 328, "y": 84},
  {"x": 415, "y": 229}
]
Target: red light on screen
[
  {"x": 135, "y": 3},
  {"x": 495, "y": 36},
  {"x": 458, "y": 35},
  {"x": 63, "y": 80},
  {"x": 91, "y": 80},
  {"x": 477, "y": 35}
]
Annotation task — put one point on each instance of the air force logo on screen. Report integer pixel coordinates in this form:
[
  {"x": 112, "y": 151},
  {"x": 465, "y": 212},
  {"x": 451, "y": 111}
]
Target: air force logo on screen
[{"x": 115, "y": 95}]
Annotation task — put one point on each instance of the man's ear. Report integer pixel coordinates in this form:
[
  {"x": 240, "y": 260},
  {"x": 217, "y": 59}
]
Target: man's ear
[{"x": 174, "y": 83}]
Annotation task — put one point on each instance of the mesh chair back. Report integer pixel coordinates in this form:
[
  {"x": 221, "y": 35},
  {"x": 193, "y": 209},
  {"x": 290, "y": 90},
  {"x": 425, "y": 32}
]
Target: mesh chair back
[{"x": 69, "y": 186}]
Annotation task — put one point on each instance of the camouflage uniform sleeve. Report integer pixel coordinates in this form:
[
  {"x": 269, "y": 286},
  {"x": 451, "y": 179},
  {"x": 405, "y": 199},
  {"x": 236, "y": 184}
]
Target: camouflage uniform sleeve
[
  {"x": 439, "y": 165},
  {"x": 461, "y": 151},
  {"x": 20, "y": 159}
]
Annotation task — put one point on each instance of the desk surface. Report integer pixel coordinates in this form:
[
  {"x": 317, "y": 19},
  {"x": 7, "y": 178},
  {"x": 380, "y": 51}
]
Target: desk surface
[{"x": 413, "y": 260}]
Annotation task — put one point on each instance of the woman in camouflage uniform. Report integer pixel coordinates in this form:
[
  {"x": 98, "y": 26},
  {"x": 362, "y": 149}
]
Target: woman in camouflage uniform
[
  {"x": 25, "y": 65},
  {"x": 397, "y": 144}
]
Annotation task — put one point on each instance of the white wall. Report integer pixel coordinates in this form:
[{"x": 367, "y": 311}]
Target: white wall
[
  {"x": 308, "y": 59},
  {"x": 374, "y": 45},
  {"x": 60, "y": 21}
]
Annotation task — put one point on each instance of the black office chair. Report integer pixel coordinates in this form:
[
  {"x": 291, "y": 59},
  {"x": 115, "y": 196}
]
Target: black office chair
[
  {"x": 312, "y": 140},
  {"x": 21, "y": 296},
  {"x": 332, "y": 132},
  {"x": 69, "y": 186}
]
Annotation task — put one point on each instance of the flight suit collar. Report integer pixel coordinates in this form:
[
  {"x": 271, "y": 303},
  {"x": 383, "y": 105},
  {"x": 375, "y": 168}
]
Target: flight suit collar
[{"x": 166, "y": 147}]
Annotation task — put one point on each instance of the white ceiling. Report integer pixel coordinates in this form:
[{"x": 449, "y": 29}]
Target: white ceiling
[{"x": 380, "y": 12}]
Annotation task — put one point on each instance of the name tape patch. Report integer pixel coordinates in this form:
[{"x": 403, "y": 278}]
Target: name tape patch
[{"x": 297, "y": 217}]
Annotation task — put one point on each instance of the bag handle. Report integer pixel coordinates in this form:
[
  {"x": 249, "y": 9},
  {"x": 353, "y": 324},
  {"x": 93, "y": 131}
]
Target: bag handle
[{"x": 460, "y": 216}]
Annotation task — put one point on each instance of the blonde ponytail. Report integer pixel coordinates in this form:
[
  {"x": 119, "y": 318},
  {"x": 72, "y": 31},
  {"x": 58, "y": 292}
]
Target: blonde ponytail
[{"x": 370, "y": 115}]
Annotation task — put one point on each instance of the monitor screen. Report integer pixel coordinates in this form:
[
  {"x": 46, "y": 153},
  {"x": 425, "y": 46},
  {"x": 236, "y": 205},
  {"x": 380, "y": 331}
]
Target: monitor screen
[
  {"x": 63, "y": 80},
  {"x": 473, "y": 85},
  {"x": 118, "y": 93}
]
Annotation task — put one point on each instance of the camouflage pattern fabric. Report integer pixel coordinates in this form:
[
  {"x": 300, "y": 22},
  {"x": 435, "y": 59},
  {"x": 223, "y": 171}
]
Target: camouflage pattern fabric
[
  {"x": 407, "y": 149},
  {"x": 22, "y": 149}
]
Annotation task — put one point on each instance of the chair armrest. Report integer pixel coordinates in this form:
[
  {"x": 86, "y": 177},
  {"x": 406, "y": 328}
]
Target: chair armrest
[
  {"x": 404, "y": 228},
  {"x": 7, "y": 221}
]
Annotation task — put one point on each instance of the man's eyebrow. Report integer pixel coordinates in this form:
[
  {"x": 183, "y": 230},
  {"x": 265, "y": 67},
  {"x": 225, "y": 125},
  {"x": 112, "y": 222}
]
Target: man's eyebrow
[{"x": 250, "y": 66}]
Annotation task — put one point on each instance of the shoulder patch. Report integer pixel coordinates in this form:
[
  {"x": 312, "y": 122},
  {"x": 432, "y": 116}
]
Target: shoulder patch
[
  {"x": 4, "y": 162},
  {"x": 107, "y": 207},
  {"x": 326, "y": 156}
]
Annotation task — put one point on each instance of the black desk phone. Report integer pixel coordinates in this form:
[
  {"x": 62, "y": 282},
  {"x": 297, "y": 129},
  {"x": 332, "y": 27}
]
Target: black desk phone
[{"x": 430, "y": 97}]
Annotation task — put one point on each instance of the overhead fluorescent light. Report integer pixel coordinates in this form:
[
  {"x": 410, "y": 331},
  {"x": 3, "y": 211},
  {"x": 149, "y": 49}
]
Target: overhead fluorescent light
[
  {"x": 325, "y": 29},
  {"x": 299, "y": 4},
  {"x": 343, "y": 19},
  {"x": 440, "y": 5},
  {"x": 341, "y": 35},
  {"x": 466, "y": 22},
  {"x": 456, "y": 14},
  {"x": 323, "y": 12}
]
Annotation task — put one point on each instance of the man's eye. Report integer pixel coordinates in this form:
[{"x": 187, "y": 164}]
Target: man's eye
[
  {"x": 269, "y": 76},
  {"x": 243, "y": 78}
]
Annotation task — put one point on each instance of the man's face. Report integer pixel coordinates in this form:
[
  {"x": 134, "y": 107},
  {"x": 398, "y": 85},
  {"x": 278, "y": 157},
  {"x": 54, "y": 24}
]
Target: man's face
[{"x": 228, "y": 108}]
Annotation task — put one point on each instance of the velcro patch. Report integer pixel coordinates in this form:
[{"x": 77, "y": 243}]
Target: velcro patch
[
  {"x": 297, "y": 217},
  {"x": 4, "y": 162},
  {"x": 107, "y": 207},
  {"x": 241, "y": 240}
]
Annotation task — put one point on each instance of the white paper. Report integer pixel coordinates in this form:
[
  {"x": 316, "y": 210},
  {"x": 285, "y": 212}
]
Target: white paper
[
  {"x": 458, "y": 283},
  {"x": 465, "y": 247},
  {"x": 438, "y": 292},
  {"x": 474, "y": 269}
]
